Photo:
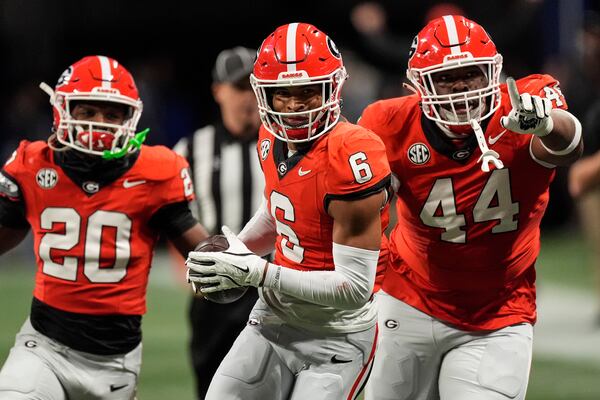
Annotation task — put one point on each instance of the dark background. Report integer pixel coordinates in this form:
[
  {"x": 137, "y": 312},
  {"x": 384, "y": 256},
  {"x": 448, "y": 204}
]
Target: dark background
[{"x": 170, "y": 47}]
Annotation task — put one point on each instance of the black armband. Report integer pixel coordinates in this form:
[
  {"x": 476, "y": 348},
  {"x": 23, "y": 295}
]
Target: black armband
[
  {"x": 383, "y": 184},
  {"x": 173, "y": 219}
]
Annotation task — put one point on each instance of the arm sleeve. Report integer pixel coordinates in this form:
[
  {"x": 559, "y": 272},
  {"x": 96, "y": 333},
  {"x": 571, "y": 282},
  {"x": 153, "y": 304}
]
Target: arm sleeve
[
  {"x": 348, "y": 286},
  {"x": 173, "y": 220},
  {"x": 260, "y": 233}
]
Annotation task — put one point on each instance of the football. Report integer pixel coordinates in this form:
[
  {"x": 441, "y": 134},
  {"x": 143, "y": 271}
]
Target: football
[{"x": 219, "y": 243}]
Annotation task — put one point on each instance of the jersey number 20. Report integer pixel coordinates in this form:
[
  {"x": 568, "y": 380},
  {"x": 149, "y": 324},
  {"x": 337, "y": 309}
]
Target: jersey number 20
[{"x": 93, "y": 244}]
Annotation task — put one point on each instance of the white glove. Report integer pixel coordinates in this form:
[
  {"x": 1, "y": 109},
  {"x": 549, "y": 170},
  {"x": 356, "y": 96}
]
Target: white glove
[
  {"x": 529, "y": 114},
  {"x": 215, "y": 271}
]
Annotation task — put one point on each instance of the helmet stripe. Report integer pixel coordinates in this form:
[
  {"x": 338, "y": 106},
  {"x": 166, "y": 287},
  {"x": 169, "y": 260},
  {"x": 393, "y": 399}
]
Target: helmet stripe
[
  {"x": 290, "y": 43},
  {"x": 107, "y": 76},
  {"x": 452, "y": 34}
]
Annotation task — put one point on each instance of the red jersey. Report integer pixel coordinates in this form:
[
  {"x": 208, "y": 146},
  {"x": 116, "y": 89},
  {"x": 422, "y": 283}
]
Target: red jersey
[
  {"x": 347, "y": 163},
  {"x": 466, "y": 241},
  {"x": 94, "y": 245}
]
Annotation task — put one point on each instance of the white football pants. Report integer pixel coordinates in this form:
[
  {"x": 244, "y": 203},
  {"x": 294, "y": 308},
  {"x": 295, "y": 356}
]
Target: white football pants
[
  {"x": 271, "y": 360},
  {"x": 42, "y": 369},
  {"x": 421, "y": 358}
]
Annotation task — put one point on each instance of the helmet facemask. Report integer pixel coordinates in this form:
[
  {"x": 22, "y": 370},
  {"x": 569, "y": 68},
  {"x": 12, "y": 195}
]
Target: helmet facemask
[
  {"x": 319, "y": 120},
  {"x": 94, "y": 137},
  {"x": 478, "y": 104}
]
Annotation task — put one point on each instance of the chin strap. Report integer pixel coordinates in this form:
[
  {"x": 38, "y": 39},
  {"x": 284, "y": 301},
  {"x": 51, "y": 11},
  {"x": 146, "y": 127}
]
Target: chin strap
[
  {"x": 136, "y": 142},
  {"x": 487, "y": 156}
]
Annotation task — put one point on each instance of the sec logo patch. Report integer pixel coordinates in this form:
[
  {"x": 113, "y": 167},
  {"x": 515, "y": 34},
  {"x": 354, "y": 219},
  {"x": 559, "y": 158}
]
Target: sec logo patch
[
  {"x": 46, "y": 178},
  {"x": 265, "y": 146},
  {"x": 419, "y": 153}
]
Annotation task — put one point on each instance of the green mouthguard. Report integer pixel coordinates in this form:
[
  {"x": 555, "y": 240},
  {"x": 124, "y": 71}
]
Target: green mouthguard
[{"x": 136, "y": 141}]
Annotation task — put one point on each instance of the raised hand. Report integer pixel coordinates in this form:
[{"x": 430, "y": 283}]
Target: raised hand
[
  {"x": 215, "y": 271},
  {"x": 530, "y": 114}
]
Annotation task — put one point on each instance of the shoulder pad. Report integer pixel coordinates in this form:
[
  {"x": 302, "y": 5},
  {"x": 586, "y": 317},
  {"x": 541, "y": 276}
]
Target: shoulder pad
[{"x": 159, "y": 163}]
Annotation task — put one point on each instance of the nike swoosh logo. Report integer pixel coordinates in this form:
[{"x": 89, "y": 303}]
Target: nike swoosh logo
[
  {"x": 129, "y": 184},
  {"x": 243, "y": 269},
  {"x": 494, "y": 139},
  {"x": 302, "y": 173},
  {"x": 336, "y": 360},
  {"x": 114, "y": 388}
]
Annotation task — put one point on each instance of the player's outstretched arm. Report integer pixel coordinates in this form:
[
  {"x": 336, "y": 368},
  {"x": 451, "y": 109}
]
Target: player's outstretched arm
[
  {"x": 557, "y": 132},
  {"x": 11, "y": 237}
]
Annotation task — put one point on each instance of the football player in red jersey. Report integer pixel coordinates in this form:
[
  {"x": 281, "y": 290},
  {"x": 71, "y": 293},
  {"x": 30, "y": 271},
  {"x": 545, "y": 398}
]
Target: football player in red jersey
[
  {"x": 312, "y": 333},
  {"x": 96, "y": 200},
  {"x": 472, "y": 161}
]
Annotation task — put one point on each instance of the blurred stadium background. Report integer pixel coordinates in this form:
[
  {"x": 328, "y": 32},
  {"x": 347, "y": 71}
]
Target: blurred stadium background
[{"x": 170, "y": 48}]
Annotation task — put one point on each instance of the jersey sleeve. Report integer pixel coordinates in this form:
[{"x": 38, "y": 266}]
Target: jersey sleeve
[
  {"x": 545, "y": 86},
  {"x": 358, "y": 166},
  {"x": 178, "y": 186}
]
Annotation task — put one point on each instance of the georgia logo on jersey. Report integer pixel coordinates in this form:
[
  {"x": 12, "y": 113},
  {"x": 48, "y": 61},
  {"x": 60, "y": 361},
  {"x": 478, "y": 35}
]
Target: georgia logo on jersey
[
  {"x": 419, "y": 153},
  {"x": 90, "y": 187}
]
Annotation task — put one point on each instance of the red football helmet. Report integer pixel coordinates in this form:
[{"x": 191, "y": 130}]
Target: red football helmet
[
  {"x": 299, "y": 54},
  {"x": 94, "y": 78},
  {"x": 450, "y": 42}
]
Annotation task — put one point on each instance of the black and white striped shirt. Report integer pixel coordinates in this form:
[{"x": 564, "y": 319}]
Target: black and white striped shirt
[{"x": 227, "y": 177}]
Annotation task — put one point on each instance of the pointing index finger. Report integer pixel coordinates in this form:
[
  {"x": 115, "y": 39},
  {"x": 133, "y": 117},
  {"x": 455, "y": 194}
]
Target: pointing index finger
[{"x": 513, "y": 92}]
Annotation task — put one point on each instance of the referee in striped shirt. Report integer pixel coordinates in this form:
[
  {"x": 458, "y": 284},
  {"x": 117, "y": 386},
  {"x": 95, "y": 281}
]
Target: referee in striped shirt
[{"x": 229, "y": 188}]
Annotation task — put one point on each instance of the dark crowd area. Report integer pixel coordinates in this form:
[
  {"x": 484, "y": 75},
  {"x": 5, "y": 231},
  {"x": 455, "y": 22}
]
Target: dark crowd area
[{"x": 170, "y": 48}]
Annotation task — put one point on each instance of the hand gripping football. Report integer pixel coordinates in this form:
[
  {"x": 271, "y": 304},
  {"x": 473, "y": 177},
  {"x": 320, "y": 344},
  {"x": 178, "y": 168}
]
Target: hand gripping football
[{"x": 218, "y": 243}]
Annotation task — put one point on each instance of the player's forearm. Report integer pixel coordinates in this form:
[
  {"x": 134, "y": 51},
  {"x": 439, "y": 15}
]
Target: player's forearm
[
  {"x": 260, "y": 233},
  {"x": 349, "y": 286}
]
